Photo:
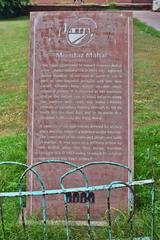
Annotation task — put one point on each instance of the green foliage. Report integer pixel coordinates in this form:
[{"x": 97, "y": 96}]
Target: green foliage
[
  {"x": 112, "y": 5},
  {"x": 12, "y": 8}
]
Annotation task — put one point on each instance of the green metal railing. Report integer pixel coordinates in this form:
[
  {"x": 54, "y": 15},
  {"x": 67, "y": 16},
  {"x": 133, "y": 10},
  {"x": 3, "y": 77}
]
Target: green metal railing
[{"x": 65, "y": 191}]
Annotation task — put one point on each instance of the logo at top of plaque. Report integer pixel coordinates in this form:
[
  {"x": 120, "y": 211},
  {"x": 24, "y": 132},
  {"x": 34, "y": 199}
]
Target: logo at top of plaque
[{"x": 81, "y": 32}]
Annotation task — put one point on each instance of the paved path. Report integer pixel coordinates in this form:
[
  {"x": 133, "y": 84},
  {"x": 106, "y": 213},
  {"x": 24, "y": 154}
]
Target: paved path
[{"x": 148, "y": 17}]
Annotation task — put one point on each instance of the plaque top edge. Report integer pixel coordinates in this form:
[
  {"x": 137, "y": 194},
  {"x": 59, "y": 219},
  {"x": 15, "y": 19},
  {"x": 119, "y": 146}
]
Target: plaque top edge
[{"x": 126, "y": 13}]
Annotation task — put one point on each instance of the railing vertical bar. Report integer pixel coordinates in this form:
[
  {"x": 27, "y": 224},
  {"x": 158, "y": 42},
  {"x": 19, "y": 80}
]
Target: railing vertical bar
[
  {"x": 44, "y": 216},
  {"x": 130, "y": 193},
  {"x": 66, "y": 217},
  {"x": 153, "y": 194},
  {"x": 109, "y": 214},
  {"x": 2, "y": 218},
  {"x": 131, "y": 203},
  {"x": 22, "y": 216},
  {"x": 153, "y": 211},
  {"x": 88, "y": 216},
  {"x": 130, "y": 221}
]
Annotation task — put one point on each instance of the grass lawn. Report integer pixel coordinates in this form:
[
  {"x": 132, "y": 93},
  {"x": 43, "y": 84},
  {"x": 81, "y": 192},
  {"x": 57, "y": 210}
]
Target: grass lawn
[{"x": 13, "y": 113}]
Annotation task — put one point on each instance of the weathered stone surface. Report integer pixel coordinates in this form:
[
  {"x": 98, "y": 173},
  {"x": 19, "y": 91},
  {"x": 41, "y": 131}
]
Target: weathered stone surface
[{"x": 80, "y": 103}]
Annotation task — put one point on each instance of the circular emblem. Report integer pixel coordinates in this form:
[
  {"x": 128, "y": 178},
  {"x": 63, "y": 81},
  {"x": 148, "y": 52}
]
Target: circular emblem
[{"x": 81, "y": 32}]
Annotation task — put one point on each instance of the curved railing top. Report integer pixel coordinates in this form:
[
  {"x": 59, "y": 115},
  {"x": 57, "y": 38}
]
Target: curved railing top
[
  {"x": 96, "y": 163},
  {"x": 52, "y": 162},
  {"x": 75, "y": 169}
]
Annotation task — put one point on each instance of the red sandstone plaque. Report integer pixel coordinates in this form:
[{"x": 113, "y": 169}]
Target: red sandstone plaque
[{"x": 80, "y": 103}]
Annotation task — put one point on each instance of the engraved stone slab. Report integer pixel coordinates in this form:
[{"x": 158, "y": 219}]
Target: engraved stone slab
[{"x": 80, "y": 104}]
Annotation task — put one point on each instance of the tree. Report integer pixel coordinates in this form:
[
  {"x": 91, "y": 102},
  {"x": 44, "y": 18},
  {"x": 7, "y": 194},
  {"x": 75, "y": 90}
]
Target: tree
[{"x": 12, "y": 8}]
